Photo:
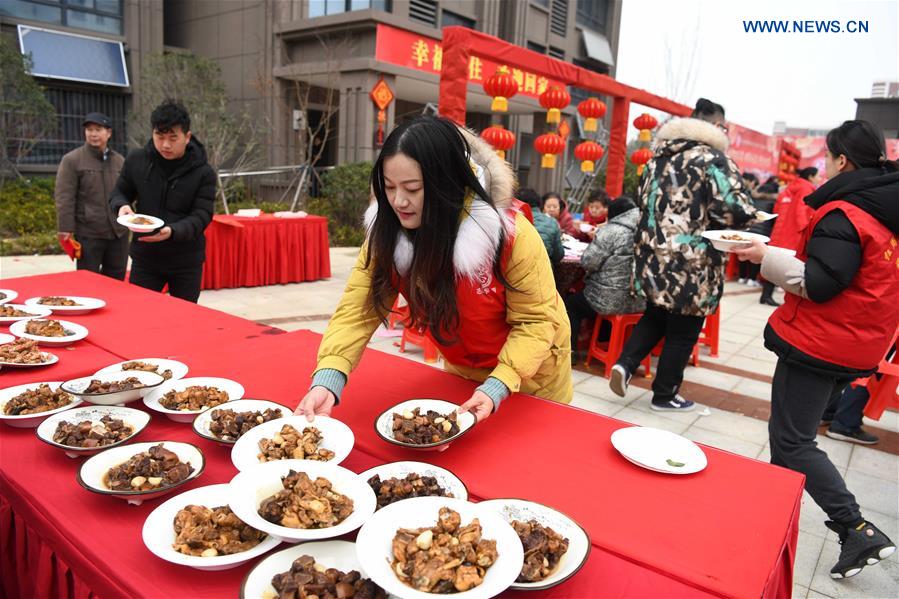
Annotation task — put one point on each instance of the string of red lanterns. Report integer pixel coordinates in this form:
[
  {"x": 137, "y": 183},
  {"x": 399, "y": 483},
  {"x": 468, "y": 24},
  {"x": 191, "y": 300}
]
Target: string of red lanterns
[
  {"x": 645, "y": 123},
  {"x": 500, "y": 138}
]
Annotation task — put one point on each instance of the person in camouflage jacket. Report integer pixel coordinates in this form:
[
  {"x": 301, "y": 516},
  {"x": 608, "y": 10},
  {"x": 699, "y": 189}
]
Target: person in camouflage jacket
[{"x": 688, "y": 187}]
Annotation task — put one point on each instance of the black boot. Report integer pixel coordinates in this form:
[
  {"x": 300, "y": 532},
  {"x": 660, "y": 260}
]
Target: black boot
[{"x": 769, "y": 301}]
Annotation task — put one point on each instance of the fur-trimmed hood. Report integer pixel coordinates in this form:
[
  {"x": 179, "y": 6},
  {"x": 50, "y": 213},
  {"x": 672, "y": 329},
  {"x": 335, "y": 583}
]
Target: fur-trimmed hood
[
  {"x": 479, "y": 231},
  {"x": 678, "y": 129}
]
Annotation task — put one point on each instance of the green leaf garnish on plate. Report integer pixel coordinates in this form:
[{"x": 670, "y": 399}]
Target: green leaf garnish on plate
[{"x": 674, "y": 464}]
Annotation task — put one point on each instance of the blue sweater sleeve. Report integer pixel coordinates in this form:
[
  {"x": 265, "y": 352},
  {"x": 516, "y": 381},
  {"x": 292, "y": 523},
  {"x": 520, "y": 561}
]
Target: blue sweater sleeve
[
  {"x": 332, "y": 380},
  {"x": 496, "y": 390}
]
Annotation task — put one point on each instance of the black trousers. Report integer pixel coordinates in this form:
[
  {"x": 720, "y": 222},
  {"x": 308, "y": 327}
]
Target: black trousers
[
  {"x": 107, "y": 257},
  {"x": 748, "y": 270},
  {"x": 183, "y": 281},
  {"x": 799, "y": 397},
  {"x": 680, "y": 333}
]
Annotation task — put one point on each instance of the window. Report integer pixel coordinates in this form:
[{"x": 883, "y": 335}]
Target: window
[
  {"x": 543, "y": 3},
  {"x": 73, "y": 57},
  {"x": 71, "y": 106},
  {"x": 449, "y": 19},
  {"x": 98, "y": 15},
  {"x": 423, "y": 11},
  {"x": 321, "y": 8},
  {"x": 534, "y": 47},
  {"x": 556, "y": 53},
  {"x": 558, "y": 17},
  {"x": 593, "y": 14}
]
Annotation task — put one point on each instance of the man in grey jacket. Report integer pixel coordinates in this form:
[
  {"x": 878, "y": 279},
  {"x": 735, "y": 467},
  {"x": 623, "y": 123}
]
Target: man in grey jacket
[{"x": 84, "y": 181}]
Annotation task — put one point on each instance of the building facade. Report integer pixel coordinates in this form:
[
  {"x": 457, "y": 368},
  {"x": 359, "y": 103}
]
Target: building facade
[{"x": 293, "y": 63}]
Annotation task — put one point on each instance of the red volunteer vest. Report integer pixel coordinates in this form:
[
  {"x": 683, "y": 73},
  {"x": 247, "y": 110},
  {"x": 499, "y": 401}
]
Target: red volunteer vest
[
  {"x": 483, "y": 329},
  {"x": 854, "y": 328}
]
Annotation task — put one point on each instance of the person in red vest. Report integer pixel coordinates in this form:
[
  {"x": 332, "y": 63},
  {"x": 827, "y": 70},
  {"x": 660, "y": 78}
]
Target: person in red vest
[
  {"x": 837, "y": 321},
  {"x": 793, "y": 214},
  {"x": 473, "y": 268}
]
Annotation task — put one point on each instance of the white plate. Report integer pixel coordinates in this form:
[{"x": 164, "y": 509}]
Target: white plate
[
  {"x": 179, "y": 369},
  {"x": 652, "y": 448},
  {"x": 35, "y": 313},
  {"x": 340, "y": 555},
  {"x": 90, "y": 475},
  {"x": 85, "y": 304},
  {"x": 159, "y": 531},
  {"x": 232, "y": 388},
  {"x": 727, "y": 245},
  {"x": 47, "y": 356},
  {"x": 80, "y": 332},
  {"x": 6, "y": 338},
  {"x": 448, "y": 481},
  {"x": 252, "y": 486},
  {"x": 384, "y": 422},
  {"x": 30, "y": 420},
  {"x": 125, "y": 221},
  {"x": 136, "y": 419},
  {"x": 578, "y": 540},
  {"x": 7, "y": 295},
  {"x": 204, "y": 419},
  {"x": 763, "y": 216},
  {"x": 336, "y": 436},
  {"x": 373, "y": 544},
  {"x": 116, "y": 398}
]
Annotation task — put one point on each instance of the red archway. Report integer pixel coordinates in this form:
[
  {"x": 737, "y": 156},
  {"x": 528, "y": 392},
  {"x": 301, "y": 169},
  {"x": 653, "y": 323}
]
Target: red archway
[{"x": 460, "y": 43}]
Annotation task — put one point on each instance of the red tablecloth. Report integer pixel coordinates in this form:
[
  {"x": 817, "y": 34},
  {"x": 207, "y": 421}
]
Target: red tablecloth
[
  {"x": 265, "y": 250},
  {"x": 136, "y": 322},
  {"x": 726, "y": 537}
]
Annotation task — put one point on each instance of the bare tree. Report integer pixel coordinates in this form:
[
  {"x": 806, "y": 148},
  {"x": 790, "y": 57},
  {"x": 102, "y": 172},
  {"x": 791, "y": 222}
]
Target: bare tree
[
  {"x": 680, "y": 76},
  {"x": 232, "y": 138},
  {"x": 26, "y": 117}
]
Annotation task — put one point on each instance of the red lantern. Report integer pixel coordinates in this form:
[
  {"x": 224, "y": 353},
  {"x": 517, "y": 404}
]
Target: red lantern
[
  {"x": 501, "y": 86},
  {"x": 588, "y": 152},
  {"x": 549, "y": 144},
  {"x": 591, "y": 109},
  {"x": 554, "y": 99},
  {"x": 501, "y": 139},
  {"x": 640, "y": 158},
  {"x": 645, "y": 123}
]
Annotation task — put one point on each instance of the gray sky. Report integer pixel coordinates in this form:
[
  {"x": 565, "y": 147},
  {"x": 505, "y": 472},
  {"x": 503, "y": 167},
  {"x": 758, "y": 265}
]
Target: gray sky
[{"x": 805, "y": 79}]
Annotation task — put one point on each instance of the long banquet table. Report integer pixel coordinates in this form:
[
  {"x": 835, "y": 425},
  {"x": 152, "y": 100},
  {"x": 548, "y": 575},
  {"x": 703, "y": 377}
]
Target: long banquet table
[
  {"x": 265, "y": 250},
  {"x": 728, "y": 531}
]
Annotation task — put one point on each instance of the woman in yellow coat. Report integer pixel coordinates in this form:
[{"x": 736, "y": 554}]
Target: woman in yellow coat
[{"x": 473, "y": 269}]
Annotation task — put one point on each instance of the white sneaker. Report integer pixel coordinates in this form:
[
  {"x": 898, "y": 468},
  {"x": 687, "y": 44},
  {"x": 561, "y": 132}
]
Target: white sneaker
[
  {"x": 619, "y": 379},
  {"x": 741, "y": 281}
]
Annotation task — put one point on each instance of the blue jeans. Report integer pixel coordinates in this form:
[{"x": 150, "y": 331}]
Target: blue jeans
[{"x": 847, "y": 416}]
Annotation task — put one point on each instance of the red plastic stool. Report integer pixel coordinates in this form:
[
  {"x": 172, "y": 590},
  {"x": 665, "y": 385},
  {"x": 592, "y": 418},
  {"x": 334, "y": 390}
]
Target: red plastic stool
[
  {"x": 398, "y": 314},
  {"x": 420, "y": 339},
  {"x": 609, "y": 352},
  {"x": 709, "y": 334}
]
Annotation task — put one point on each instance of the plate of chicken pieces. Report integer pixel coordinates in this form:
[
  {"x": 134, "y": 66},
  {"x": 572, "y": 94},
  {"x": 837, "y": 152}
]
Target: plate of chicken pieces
[
  {"x": 319, "y": 568},
  {"x": 70, "y": 305},
  {"x": 437, "y": 545},
  {"x": 324, "y": 439},
  {"x": 555, "y": 546},
  {"x": 49, "y": 331},
  {"x": 23, "y": 353},
  {"x": 423, "y": 424},
  {"x": 198, "y": 529}
]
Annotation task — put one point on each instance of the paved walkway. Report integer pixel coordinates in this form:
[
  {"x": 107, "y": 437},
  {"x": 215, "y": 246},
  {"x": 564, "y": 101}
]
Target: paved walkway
[{"x": 733, "y": 391}]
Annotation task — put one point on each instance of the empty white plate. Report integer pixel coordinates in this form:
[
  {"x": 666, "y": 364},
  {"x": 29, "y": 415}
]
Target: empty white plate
[{"x": 659, "y": 450}]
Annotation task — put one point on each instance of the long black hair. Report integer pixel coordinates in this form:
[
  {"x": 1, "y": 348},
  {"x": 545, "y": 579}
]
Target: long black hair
[
  {"x": 443, "y": 154},
  {"x": 862, "y": 144}
]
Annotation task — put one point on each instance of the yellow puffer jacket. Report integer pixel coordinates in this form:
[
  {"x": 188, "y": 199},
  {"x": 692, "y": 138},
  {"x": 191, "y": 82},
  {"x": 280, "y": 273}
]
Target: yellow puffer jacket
[{"x": 536, "y": 357}]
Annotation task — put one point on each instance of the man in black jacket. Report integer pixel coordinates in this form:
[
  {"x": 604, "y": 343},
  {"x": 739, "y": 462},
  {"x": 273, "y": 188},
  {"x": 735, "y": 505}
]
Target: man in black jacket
[{"x": 171, "y": 179}]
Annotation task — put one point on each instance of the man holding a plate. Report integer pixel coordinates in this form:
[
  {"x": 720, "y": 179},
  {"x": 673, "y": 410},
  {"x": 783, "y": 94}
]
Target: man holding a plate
[{"x": 169, "y": 179}]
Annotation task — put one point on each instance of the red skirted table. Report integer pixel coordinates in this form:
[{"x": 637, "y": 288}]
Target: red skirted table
[
  {"x": 265, "y": 250},
  {"x": 734, "y": 533}
]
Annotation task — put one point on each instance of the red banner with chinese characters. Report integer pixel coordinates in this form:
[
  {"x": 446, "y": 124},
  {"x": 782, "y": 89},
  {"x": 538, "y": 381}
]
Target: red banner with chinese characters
[
  {"x": 812, "y": 150},
  {"x": 414, "y": 51},
  {"x": 752, "y": 151}
]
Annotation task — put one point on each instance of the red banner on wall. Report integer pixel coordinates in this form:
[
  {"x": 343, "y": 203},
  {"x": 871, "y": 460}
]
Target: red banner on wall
[
  {"x": 813, "y": 148},
  {"x": 752, "y": 151},
  {"x": 422, "y": 53}
]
